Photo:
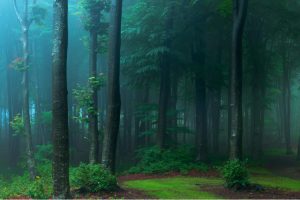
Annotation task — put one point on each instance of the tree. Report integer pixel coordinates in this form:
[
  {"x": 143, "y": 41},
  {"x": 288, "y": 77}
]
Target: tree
[
  {"x": 93, "y": 23},
  {"x": 61, "y": 188},
  {"x": 25, "y": 23},
  {"x": 236, "y": 79},
  {"x": 165, "y": 81},
  {"x": 114, "y": 97}
]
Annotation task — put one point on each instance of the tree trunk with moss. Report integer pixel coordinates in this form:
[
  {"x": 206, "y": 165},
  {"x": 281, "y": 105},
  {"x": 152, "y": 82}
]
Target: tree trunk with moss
[
  {"x": 114, "y": 97},
  {"x": 60, "y": 129}
]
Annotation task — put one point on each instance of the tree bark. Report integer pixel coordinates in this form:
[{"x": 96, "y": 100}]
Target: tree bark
[
  {"x": 287, "y": 101},
  {"x": 25, "y": 25},
  {"x": 201, "y": 118},
  {"x": 60, "y": 163},
  {"x": 165, "y": 88},
  {"x": 114, "y": 99},
  {"x": 236, "y": 73},
  {"x": 93, "y": 116}
]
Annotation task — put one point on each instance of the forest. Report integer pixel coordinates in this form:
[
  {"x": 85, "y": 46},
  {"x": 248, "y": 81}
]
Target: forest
[{"x": 149, "y": 99}]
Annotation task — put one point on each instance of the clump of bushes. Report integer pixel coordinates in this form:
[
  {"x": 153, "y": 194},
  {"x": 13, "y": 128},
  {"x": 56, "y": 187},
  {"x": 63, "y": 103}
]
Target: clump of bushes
[
  {"x": 37, "y": 189},
  {"x": 236, "y": 174},
  {"x": 155, "y": 160},
  {"x": 93, "y": 178}
]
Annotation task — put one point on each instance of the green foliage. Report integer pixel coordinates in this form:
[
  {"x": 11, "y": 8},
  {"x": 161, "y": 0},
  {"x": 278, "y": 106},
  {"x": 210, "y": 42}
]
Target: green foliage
[
  {"x": 84, "y": 95},
  {"x": 47, "y": 118},
  {"x": 38, "y": 14},
  {"x": 93, "y": 178},
  {"x": 96, "y": 82},
  {"x": 37, "y": 189},
  {"x": 44, "y": 153},
  {"x": 154, "y": 160},
  {"x": 18, "y": 65},
  {"x": 225, "y": 8},
  {"x": 17, "y": 124},
  {"x": 23, "y": 187},
  {"x": 236, "y": 174},
  {"x": 92, "y": 13}
]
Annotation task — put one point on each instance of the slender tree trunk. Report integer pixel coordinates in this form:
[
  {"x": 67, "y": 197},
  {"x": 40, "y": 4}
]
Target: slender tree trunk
[
  {"x": 298, "y": 154},
  {"x": 163, "y": 104},
  {"x": 287, "y": 102},
  {"x": 93, "y": 116},
  {"x": 165, "y": 86},
  {"x": 216, "y": 119},
  {"x": 201, "y": 118},
  {"x": 114, "y": 99},
  {"x": 60, "y": 129},
  {"x": 25, "y": 24},
  {"x": 235, "y": 110}
]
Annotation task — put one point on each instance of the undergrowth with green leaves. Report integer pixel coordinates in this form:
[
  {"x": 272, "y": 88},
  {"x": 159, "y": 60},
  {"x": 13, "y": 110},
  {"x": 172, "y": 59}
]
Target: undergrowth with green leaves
[{"x": 154, "y": 160}]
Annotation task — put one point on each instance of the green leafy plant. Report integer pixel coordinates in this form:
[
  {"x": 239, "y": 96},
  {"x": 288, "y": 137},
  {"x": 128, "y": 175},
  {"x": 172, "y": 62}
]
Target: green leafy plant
[
  {"x": 155, "y": 160},
  {"x": 93, "y": 178},
  {"x": 17, "y": 124},
  {"x": 37, "y": 189},
  {"x": 18, "y": 64},
  {"x": 44, "y": 153},
  {"x": 235, "y": 174}
]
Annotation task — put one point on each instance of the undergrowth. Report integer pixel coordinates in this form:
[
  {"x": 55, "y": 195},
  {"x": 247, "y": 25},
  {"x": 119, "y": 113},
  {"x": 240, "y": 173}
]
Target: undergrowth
[{"x": 155, "y": 160}]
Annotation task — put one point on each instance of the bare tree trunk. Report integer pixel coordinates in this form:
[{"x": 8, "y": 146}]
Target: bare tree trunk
[
  {"x": 93, "y": 116},
  {"x": 165, "y": 86},
  {"x": 201, "y": 118},
  {"x": 60, "y": 163},
  {"x": 298, "y": 154},
  {"x": 235, "y": 110},
  {"x": 287, "y": 101},
  {"x": 114, "y": 99},
  {"x": 25, "y": 24}
]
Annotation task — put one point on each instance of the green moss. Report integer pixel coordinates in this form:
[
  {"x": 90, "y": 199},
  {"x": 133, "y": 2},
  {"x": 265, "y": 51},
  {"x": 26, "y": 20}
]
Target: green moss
[
  {"x": 278, "y": 182},
  {"x": 175, "y": 188}
]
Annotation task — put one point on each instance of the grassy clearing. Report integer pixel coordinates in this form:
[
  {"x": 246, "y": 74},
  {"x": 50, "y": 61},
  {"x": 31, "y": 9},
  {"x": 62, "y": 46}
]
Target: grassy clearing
[
  {"x": 175, "y": 188},
  {"x": 190, "y": 187},
  {"x": 278, "y": 182}
]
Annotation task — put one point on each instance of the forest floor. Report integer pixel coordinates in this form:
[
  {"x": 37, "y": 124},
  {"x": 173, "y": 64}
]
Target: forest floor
[{"x": 279, "y": 176}]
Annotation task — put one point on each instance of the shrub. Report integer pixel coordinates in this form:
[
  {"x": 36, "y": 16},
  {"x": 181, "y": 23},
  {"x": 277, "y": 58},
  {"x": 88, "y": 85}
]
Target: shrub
[
  {"x": 22, "y": 186},
  {"x": 93, "y": 178},
  {"x": 155, "y": 160},
  {"x": 37, "y": 189},
  {"x": 235, "y": 174}
]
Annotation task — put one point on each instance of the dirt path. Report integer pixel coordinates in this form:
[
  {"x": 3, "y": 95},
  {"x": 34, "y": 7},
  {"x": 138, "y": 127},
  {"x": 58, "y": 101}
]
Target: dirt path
[{"x": 285, "y": 165}]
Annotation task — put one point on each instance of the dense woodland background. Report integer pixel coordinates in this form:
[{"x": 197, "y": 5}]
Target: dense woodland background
[{"x": 176, "y": 61}]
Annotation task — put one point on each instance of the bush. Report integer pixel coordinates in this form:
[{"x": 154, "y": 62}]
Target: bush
[
  {"x": 235, "y": 174},
  {"x": 37, "y": 189},
  {"x": 92, "y": 178},
  {"x": 154, "y": 160},
  {"x": 22, "y": 186}
]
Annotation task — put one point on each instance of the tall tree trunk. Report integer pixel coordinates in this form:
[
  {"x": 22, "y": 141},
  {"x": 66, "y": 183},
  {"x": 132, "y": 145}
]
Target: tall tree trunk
[
  {"x": 236, "y": 79},
  {"x": 165, "y": 88},
  {"x": 298, "y": 154},
  {"x": 201, "y": 118},
  {"x": 114, "y": 99},
  {"x": 25, "y": 24},
  {"x": 287, "y": 101},
  {"x": 93, "y": 116},
  {"x": 216, "y": 119},
  {"x": 60, "y": 129}
]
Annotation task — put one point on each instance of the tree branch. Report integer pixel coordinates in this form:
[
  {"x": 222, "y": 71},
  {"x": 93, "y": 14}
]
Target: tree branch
[{"x": 17, "y": 12}]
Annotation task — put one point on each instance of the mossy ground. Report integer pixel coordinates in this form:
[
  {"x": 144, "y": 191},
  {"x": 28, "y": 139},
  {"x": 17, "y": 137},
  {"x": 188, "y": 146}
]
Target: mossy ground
[
  {"x": 190, "y": 187},
  {"x": 175, "y": 188}
]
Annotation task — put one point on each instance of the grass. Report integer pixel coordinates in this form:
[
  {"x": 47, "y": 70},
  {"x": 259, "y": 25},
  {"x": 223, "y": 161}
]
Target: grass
[
  {"x": 190, "y": 187},
  {"x": 175, "y": 188},
  {"x": 278, "y": 182}
]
